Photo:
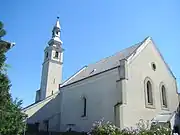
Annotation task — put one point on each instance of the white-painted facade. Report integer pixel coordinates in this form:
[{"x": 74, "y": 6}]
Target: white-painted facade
[
  {"x": 117, "y": 94},
  {"x": 101, "y": 97},
  {"x": 138, "y": 70}
]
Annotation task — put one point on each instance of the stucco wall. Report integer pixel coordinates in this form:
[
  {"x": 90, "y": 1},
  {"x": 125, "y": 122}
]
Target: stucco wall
[
  {"x": 48, "y": 109},
  {"x": 101, "y": 93},
  {"x": 54, "y": 78},
  {"x": 51, "y": 72},
  {"x": 138, "y": 70},
  {"x": 44, "y": 77},
  {"x": 51, "y": 78}
]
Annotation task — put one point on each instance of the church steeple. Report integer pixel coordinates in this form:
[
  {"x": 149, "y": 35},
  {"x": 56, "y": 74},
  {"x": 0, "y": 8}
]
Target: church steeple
[{"x": 52, "y": 65}]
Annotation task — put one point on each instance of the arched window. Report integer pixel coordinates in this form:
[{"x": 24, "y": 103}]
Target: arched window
[
  {"x": 84, "y": 107},
  {"x": 149, "y": 93},
  {"x": 163, "y": 96},
  {"x": 148, "y": 89},
  {"x": 56, "y": 54}
]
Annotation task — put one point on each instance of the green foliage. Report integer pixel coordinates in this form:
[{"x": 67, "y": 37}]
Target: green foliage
[
  {"x": 143, "y": 128},
  {"x": 2, "y": 58},
  {"x": 2, "y": 31},
  {"x": 102, "y": 128},
  {"x": 11, "y": 117}
]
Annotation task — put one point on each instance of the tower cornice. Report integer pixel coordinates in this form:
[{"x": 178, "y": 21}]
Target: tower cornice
[{"x": 55, "y": 42}]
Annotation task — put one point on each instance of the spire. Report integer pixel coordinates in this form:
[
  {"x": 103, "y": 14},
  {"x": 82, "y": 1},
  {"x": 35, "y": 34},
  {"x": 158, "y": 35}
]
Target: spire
[
  {"x": 57, "y": 29},
  {"x": 57, "y": 25},
  {"x": 56, "y": 33}
]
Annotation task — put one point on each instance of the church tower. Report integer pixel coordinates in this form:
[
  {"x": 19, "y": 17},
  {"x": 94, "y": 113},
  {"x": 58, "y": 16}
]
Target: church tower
[{"x": 52, "y": 65}]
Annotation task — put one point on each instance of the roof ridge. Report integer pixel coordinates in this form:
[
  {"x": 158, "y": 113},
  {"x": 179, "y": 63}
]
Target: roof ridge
[
  {"x": 114, "y": 54},
  {"x": 105, "y": 63}
]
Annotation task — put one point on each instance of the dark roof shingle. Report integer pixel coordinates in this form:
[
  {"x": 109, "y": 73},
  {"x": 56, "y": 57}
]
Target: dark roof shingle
[{"x": 102, "y": 65}]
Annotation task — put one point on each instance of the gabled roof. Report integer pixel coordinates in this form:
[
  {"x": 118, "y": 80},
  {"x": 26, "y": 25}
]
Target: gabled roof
[
  {"x": 112, "y": 62},
  {"x": 103, "y": 65}
]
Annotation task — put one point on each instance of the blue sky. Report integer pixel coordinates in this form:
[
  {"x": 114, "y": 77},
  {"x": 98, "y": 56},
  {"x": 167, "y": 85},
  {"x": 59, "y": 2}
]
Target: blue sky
[{"x": 91, "y": 30}]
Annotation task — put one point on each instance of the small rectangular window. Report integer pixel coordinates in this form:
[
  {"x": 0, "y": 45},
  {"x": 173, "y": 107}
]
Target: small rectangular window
[{"x": 46, "y": 123}]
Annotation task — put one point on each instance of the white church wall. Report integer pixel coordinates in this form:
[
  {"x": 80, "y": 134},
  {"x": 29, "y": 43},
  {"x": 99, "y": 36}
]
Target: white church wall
[
  {"x": 43, "y": 80},
  {"x": 101, "y": 94},
  {"x": 48, "y": 109},
  {"x": 138, "y": 70}
]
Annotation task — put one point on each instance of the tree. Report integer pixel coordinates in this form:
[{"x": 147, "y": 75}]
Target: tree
[{"x": 11, "y": 117}]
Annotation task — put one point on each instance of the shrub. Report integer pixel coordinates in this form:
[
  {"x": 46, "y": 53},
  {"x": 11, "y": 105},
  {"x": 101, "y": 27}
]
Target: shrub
[
  {"x": 143, "y": 128},
  {"x": 102, "y": 128}
]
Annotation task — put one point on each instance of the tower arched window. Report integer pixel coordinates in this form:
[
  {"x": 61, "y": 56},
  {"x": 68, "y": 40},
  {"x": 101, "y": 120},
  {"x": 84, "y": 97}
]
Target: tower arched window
[
  {"x": 56, "y": 54},
  {"x": 46, "y": 54},
  {"x": 163, "y": 96},
  {"x": 148, "y": 86}
]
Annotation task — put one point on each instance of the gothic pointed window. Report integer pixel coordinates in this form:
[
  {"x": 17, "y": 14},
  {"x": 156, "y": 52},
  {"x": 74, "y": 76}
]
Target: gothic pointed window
[
  {"x": 149, "y": 99},
  {"x": 163, "y": 96},
  {"x": 149, "y": 93}
]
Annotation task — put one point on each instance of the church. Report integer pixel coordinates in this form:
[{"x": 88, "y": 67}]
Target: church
[{"x": 133, "y": 84}]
